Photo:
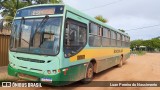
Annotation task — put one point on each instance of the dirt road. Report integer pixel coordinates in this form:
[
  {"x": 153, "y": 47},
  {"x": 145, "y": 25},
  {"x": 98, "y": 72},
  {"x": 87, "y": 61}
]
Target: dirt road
[{"x": 137, "y": 68}]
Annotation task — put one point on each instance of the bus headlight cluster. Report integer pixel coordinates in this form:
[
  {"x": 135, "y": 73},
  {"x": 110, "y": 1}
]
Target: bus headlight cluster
[
  {"x": 53, "y": 71},
  {"x": 13, "y": 65}
]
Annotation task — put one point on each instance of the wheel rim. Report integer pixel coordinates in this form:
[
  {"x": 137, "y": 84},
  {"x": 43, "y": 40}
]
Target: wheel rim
[{"x": 90, "y": 73}]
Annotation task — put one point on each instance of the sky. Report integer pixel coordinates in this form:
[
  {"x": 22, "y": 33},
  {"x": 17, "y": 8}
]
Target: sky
[{"x": 125, "y": 14}]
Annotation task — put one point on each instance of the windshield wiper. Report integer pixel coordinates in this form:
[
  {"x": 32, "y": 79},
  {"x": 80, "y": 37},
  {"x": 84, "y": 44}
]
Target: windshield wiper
[
  {"x": 42, "y": 23},
  {"x": 20, "y": 28},
  {"x": 25, "y": 40}
]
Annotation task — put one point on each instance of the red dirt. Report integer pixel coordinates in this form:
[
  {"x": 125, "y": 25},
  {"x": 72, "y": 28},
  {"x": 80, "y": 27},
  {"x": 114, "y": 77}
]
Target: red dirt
[{"x": 137, "y": 68}]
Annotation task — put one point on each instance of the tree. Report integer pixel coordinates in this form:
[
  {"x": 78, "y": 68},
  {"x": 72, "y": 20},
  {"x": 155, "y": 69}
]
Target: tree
[
  {"x": 101, "y": 18},
  {"x": 10, "y": 7},
  {"x": 47, "y": 1},
  {"x": 150, "y": 44},
  {"x": 136, "y": 43},
  {"x": 121, "y": 30},
  {"x": 55, "y": 1}
]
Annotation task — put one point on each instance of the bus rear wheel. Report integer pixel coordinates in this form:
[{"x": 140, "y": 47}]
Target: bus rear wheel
[
  {"x": 89, "y": 74},
  {"x": 121, "y": 62}
]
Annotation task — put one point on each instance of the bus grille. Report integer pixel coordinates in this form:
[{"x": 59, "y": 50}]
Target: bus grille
[
  {"x": 36, "y": 69},
  {"x": 23, "y": 67},
  {"x": 31, "y": 60}
]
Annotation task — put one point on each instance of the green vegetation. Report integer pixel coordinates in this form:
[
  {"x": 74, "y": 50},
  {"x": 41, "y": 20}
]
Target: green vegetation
[
  {"x": 121, "y": 30},
  {"x": 140, "y": 53},
  {"x": 47, "y": 1},
  {"x": 101, "y": 18},
  {"x": 149, "y": 45},
  {"x": 11, "y": 6}
]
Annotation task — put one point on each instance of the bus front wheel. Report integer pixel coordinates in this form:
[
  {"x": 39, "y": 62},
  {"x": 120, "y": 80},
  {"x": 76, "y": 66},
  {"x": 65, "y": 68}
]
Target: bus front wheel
[{"x": 89, "y": 74}]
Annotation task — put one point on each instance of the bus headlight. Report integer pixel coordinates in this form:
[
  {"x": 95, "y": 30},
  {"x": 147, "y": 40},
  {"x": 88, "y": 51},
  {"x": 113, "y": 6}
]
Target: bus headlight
[
  {"x": 12, "y": 65},
  {"x": 54, "y": 71},
  {"x": 49, "y": 71}
]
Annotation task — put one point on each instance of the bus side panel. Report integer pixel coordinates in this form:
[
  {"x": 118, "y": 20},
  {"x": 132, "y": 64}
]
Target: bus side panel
[
  {"x": 104, "y": 64},
  {"x": 107, "y": 63}
]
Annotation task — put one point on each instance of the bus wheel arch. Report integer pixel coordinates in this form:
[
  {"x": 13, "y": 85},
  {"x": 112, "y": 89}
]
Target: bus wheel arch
[
  {"x": 93, "y": 61},
  {"x": 121, "y": 61},
  {"x": 121, "y": 55},
  {"x": 89, "y": 72}
]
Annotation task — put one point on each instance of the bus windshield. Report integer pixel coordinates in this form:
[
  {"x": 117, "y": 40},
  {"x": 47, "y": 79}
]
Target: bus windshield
[{"x": 36, "y": 35}]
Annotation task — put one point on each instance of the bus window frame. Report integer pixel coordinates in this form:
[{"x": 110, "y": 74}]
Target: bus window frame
[
  {"x": 67, "y": 20},
  {"x": 98, "y": 27},
  {"x": 113, "y": 39},
  {"x": 99, "y": 33},
  {"x": 119, "y": 40},
  {"x": 127, "y": 42},
  {"x": 123, "y": 41},
  {"x": 108, "y": 36}
]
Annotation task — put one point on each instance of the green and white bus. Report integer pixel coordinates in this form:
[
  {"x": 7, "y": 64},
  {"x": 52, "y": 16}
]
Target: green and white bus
[{"x": 57, "y": 44}]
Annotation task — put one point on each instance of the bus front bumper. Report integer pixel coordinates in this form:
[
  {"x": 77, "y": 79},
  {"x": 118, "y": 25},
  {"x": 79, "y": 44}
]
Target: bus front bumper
[{"x": 45, "y": 79}]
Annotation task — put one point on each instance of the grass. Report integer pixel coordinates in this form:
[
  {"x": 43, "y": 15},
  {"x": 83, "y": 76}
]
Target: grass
[{"x": 140, "y": 53}]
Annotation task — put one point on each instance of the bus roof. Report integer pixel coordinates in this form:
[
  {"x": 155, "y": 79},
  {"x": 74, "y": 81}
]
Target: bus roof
[{"x": 69, "y": 8}]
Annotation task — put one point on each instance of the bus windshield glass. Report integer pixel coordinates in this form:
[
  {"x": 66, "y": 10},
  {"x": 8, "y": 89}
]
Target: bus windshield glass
[{"x": 36, "y": 35}]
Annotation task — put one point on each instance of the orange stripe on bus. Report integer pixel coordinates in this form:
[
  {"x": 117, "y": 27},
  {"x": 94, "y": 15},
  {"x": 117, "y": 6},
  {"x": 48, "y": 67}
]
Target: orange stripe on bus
[{"x": 101, "y": 52}]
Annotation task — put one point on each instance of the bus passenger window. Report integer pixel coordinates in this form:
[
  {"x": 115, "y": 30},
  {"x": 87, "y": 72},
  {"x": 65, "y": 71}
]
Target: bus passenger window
[
  {"x": 94, "y": 35},
  {"x": 123, "y": 41},
  {"x": 113, "y": 38},
  {"x": 119, "y": 39},
  {"x": 127, "y": 42},
  {"x": 106, "y": 37}
]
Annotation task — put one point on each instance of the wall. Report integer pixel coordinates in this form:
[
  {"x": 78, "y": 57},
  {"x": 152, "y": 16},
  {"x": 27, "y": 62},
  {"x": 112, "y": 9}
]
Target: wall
[{"x": 4, "y": 47}]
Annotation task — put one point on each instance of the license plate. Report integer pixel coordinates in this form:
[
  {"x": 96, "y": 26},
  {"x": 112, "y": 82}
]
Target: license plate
[{"x": 46, "y": 80}]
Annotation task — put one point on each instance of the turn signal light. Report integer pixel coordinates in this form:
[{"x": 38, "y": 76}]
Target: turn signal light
[{"x": 59, "y": 70}]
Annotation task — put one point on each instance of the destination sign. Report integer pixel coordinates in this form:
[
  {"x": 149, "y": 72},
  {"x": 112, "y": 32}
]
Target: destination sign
[
  {"x": 43, "y": 12},
  {"x": 40, "y": 10}
]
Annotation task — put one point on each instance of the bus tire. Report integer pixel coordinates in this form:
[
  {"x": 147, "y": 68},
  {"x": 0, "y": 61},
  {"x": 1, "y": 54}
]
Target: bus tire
[
  {"x": 89, "y": 74},
  {"x": 120, "y": 63}
]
